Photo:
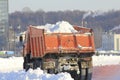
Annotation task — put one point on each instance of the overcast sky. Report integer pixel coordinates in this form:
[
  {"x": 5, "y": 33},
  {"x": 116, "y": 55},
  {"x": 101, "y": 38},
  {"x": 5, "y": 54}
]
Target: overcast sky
[{"x": 55, "y": 5}]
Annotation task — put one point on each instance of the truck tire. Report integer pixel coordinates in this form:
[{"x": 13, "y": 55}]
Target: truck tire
[
  {"x": 74, "y": 74},
  {"x": 51, "y": 71},
  {"x": 85, "y": 73},
  {"x": 82, "y": 74},
  {"x": 37, "y": 63},
  {"x": 89, "y": 73},
  {"x": 25, "y": 64},
  {"x": 27, "y": 67},
  {"x": 26, "y": 61}
]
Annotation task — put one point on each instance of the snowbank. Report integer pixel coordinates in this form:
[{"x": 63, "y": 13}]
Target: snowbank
[
  {"x": 11, "y": 64},
  {"x": 34, "y": 75},
  {"x": 106, "y": 60},
  {"x": 11, "y": 69},
  {"x": 59, "y": 27}
]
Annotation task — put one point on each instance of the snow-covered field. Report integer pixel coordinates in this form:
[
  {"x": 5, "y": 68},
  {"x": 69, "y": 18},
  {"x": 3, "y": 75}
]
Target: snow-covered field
[{"x": 11, "y": 69}]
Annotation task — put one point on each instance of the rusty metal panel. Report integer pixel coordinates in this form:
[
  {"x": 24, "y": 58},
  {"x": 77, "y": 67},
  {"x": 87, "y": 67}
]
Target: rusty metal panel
[
  {"x": 36, "y": 42},
  {"x": 67, "y": 41},
  {"x": 51, "y": 42}
]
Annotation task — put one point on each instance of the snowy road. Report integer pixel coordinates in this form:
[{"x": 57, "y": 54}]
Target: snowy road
[{"x": 110, "y": 72}]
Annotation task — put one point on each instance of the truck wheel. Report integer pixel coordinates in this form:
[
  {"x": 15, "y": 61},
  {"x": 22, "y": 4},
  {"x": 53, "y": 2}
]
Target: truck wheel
[
  {"x": 24, "y": 65},
  {"x": 51, "y": 71},
  {"x": 85, "y": 73},
  {"x": 27, "y": 67},
  {"x": 89, "y": 73},
  {"x": 82, "y": 74},
  {"x": 26, "y": 61},
  {"x": 37, "y": 64},
  {"x": 74, "y": 74}
]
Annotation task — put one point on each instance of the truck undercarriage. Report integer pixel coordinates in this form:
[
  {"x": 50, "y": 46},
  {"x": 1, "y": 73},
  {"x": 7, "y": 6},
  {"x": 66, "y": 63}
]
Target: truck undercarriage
[{"x": 78, "y": 65}]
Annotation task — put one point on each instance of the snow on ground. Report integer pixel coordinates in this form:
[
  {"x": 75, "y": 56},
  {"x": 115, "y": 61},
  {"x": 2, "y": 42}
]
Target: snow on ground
[
  {"x": 102, "y": 60},
  {"x": 11, "y": 64},
  {"x": 11, "y": 69},
  {"x": 33, "y": 75}
]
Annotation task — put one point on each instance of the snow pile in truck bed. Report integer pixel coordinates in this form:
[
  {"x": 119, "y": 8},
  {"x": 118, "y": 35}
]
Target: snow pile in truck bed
[{"x": 59, "y": 27}]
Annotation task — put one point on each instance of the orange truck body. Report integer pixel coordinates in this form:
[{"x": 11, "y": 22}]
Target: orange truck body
[{"x": 40, "y": 43}]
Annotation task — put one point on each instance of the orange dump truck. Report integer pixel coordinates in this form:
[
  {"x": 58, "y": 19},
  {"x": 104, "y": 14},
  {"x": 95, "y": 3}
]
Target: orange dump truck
[{"x": 60, "y": 52}]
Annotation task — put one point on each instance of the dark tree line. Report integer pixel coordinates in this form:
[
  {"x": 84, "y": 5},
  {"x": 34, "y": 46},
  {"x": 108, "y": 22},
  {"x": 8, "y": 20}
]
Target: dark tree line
[
  {"x": 41, "y": 18},
  {"x": 106, "y": 21}
]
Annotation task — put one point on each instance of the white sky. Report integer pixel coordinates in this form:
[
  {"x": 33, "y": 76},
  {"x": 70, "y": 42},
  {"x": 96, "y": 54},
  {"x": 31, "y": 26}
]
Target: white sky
[{"x": 55, "y": 5}]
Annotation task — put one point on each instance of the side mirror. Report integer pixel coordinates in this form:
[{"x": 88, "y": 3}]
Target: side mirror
[{"x": 21, "y": 38}]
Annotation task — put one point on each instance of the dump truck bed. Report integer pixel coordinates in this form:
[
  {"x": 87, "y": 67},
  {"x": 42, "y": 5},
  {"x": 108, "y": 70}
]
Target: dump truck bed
[{"x": 42, "y": 43}]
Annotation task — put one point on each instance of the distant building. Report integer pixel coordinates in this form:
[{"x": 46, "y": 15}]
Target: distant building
[
  {"x": 3, "y": 23},
  {"x": 98, "y": 36},
  {"x": 117, "y": 42},
  {"x": 110, "y": 41},
  {"x": 107, "y": 41}
]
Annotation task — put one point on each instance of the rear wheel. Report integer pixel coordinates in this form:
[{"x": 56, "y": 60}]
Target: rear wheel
[
  {"x": 26, "y": 62},
  {"x": 27, "y": 66},
  {"x": 85, "y": 73},
  {"x": 51, "y": 71},
  {"x": 37, "y": 63},
  {"x": 74, "y": 74},
  {"x": 89, "y": 73},
  {"x": 82, "y": 74}
]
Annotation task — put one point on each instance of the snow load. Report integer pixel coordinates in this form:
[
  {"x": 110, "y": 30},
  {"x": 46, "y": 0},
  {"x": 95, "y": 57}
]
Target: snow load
[{"x": 59, "y": 27}]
